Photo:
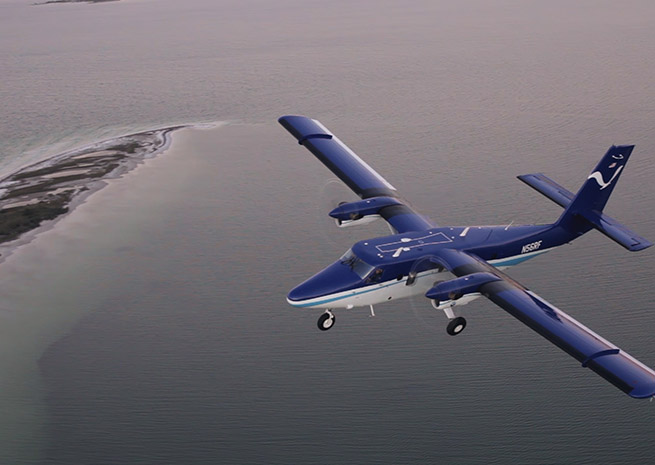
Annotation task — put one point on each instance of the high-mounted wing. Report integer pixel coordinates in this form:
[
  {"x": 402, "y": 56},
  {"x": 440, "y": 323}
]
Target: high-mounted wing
[
  {"x": 616, "y": 366},
  {"x": 354, "y": 172}
]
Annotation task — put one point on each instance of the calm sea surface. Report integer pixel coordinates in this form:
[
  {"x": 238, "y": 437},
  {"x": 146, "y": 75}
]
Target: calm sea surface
[{"x": 150, "y": 325}]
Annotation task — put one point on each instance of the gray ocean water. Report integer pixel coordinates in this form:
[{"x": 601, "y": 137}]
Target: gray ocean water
[{"x": 150, "y": 325}]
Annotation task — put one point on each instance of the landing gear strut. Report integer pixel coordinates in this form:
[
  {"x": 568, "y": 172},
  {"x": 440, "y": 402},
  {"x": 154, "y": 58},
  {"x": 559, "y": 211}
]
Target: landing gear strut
[
  {"x": 326, "y": 320},
  {"x": 456, "y": 326},
  {"x": 457, "y": 323}
]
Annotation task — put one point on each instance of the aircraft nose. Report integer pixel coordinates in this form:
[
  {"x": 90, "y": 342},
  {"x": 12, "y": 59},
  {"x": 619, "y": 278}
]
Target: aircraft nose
[
  {"x": 300, "y": 292},
  {"x": 335, "y": 278}
]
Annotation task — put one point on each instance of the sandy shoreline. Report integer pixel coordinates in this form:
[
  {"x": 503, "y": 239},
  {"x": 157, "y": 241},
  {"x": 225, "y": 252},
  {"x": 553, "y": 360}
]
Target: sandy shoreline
[{"x": 35, "y": 197}]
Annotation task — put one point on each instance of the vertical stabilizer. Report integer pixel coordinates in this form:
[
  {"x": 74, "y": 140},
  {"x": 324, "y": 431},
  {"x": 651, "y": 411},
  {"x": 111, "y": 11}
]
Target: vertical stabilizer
[{"x": 596, "y": 191}]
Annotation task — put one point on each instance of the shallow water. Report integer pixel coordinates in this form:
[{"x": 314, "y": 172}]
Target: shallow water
[
  {"x": 192, "y": 355},
  {"x": 150, "y": 325}
]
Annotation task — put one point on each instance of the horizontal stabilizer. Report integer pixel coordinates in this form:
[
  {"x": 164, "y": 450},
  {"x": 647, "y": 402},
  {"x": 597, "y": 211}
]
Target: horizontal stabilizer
[
  {"x": 546, "y": 186},
  {"x": 603, "y": 223},
  {"x": 616, "y": 231}
]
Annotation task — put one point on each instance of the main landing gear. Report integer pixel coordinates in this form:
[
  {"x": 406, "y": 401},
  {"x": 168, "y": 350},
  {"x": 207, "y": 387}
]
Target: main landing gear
[
  {"x": 326, "y": 320},
  {"x": 456, "y": 324}
]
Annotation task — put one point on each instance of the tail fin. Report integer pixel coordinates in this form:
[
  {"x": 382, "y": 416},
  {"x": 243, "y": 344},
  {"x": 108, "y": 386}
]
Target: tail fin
[
  {"x": 584, "y": 210},
  {"x": 596, "y": 191}
]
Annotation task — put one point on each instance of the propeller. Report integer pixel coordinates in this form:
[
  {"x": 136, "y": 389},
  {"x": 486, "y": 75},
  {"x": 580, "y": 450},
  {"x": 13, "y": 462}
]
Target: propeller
[
  {"x": 332, "y": 194},
  {"x": 424, "y": 274}
]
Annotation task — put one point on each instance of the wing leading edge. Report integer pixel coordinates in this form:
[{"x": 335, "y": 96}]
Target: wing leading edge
[
  {"x": 353, "y": 171},
  {"x": 591, "y": 350}
]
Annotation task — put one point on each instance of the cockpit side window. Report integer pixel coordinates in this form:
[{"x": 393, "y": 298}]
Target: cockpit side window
[
  {"x": 376, "y": 276},
  {"x": 356, "y": 264}
]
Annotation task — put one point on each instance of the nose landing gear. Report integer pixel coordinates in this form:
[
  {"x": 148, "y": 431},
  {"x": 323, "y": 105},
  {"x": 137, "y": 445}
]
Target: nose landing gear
[{"x": 326, "y": 320}]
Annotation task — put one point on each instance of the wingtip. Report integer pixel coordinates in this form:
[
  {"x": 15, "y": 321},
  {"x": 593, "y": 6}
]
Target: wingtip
[
  {"x": 646, "y": 391},
  {"x": 287, "y": 117},
  {"x": 639, "y": 245}
]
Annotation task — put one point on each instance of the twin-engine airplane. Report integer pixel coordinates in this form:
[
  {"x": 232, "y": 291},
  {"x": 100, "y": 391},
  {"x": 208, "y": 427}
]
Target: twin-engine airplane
[{"x": 410, "y": 261}]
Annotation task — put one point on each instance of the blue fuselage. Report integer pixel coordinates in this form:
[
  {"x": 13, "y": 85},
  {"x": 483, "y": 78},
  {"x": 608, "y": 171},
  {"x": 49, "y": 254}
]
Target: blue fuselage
[{"x": 379, "y": 267}]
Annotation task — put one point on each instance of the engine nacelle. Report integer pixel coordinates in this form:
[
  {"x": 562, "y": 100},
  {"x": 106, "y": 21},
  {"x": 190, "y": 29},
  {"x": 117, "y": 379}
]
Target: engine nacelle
[
  {"x": 361, "y": 211},
  {"x": 456, "y": 288},
  {"x": 448, "y": 304}
]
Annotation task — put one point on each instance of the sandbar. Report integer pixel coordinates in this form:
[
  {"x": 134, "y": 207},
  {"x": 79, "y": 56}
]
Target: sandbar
[{"x": 35, "y": 196}]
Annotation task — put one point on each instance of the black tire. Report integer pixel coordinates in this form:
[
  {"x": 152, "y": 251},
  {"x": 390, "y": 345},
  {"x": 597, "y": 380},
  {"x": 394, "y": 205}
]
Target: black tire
[
  {"x": 456, "y": 326},
  {"x": 326, "y": 321}
]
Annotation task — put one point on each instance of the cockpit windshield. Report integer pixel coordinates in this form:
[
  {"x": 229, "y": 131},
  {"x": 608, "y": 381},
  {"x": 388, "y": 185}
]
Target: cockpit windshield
[{"x": 356, "y": 264}]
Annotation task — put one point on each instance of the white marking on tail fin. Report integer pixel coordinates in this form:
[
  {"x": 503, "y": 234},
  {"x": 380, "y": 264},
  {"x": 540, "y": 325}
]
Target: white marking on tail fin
[{"x": 599, "y": 178}]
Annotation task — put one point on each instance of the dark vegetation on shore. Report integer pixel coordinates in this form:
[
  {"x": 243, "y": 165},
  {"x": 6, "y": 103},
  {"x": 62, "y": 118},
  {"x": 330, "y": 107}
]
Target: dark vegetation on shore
[
  {"x": 45, "y": 190},
  {"x": 15, "y": 221}
]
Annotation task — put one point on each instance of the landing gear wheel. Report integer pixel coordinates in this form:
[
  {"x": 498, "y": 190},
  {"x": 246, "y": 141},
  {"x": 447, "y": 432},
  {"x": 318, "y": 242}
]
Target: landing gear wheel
[
  {"x": 456, "y": 326},
  {"x": 326, "y": 321}
]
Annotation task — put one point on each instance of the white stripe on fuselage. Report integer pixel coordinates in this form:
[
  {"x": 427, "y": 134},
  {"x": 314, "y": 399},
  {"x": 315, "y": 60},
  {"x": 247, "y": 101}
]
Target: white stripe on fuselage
[
  {"x": 371, "y": 295},
  {"x": 394, "y": 289}
]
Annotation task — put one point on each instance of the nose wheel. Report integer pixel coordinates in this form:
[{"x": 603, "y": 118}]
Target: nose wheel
[
  {"x": 456, "y": 326},
  {"x": 326, "y": 321}
]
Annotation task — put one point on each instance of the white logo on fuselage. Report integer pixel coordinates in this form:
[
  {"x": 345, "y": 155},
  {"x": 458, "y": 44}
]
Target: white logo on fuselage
[
  {"x": 530, "y": 247},
  {"x": 599, "y": 177}
]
